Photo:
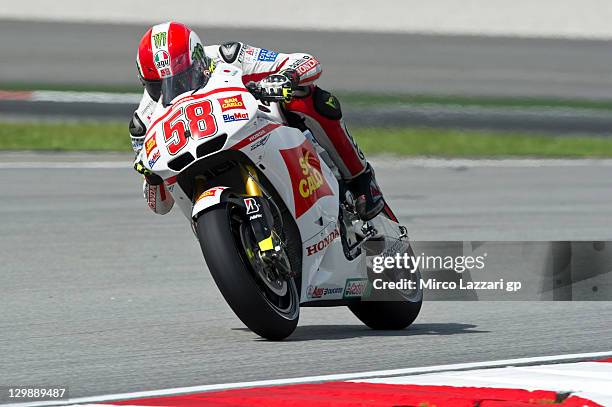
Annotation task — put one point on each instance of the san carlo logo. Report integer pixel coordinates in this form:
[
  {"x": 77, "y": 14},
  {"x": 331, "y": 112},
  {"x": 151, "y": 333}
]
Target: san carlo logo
[
  {"x": 309, "y": 184},
  {"x": 232, "y": 102},
  {"x": 162, "y": 59}
]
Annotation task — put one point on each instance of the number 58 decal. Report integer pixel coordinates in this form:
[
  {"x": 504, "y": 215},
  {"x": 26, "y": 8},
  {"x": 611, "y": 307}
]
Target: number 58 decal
[{"x": 196, "y": 118}]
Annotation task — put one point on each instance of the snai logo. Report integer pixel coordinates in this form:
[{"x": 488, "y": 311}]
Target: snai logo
[
  {"x": 150, "y": 144},
  {"x": 232, "y": 102},
  {"x": 308, "y": 182},
  {"x": 322, "y": 244}
]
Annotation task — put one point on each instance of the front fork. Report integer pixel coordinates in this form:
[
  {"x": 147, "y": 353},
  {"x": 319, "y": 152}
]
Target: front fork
[{"x": 256, "y": 205}]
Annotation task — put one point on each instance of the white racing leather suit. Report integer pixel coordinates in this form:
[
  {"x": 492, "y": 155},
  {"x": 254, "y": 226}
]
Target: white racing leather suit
[{"x": 315, "y": 108}]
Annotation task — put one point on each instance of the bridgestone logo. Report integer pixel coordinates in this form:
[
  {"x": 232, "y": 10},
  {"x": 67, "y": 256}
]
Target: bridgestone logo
[{"x": 322, "y": 244}]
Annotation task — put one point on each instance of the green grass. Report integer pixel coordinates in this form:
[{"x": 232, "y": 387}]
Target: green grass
[
  {"x": 456, "y": 143},
  {"x": 65, "y": 136},
  {"x": 401, "y": 142},
  {"x": 368, "y": 99}
]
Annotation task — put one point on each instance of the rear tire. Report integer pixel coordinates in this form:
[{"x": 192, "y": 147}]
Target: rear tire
[
  {"x": 264, "y": 312},
  {"x": 391, "y": 309},
  {"x": 386, "y": 315}
]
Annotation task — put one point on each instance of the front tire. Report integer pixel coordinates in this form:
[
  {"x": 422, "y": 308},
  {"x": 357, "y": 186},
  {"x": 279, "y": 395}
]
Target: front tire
[{"x": 271, "y": 314}]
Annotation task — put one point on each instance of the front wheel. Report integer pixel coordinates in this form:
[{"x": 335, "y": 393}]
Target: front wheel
[{"x": 266, "y": 304}]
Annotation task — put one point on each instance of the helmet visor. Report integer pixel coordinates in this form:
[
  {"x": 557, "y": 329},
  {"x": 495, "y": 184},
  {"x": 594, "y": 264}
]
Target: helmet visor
[
  {"x": 153, "y": 88},
  {"x": 190, "y": 79}
]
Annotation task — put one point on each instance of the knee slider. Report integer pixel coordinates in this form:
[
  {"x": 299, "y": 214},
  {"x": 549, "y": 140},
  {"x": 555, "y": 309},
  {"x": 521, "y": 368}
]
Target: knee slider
[{"x": 326, "y": 104}]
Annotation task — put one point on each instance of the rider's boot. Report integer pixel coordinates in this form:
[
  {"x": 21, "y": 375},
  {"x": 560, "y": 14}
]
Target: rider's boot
[
  {"x": 320, "y": 112},
  {"x": 369, "y": 200}
]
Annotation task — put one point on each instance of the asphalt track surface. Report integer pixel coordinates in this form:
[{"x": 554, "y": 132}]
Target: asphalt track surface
[
  {"x": 101, "y": 295},
  {"x": 39, "y": 52}
]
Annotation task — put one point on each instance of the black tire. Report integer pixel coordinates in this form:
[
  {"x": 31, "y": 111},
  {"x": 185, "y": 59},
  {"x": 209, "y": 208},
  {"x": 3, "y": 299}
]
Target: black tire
[
  {"x": 386, "y": 315},
  {"x": 390, "y": 309},
  {"x": 236, "y": 279}
]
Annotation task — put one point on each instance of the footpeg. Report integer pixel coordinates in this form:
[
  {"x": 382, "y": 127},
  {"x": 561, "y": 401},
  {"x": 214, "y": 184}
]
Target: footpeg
[{"x": 368, "y": 231}]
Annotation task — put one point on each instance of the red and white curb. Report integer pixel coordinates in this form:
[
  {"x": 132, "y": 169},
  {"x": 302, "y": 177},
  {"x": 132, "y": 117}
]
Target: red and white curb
[{"x": 565, "y": 380}]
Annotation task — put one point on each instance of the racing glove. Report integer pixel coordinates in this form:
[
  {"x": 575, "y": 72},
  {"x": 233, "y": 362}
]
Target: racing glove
[
  {"x": 150, "y": 176},
  {"x": 279, "y": 87}
]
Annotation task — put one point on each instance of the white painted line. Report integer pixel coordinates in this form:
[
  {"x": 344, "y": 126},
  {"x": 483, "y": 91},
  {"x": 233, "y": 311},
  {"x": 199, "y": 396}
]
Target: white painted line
[
  {"x": 85, "y": 97},
  {"x": 397, "y": 162},
  {"x": 323, "y": 378},
  {"x": 65, "y": 165}
]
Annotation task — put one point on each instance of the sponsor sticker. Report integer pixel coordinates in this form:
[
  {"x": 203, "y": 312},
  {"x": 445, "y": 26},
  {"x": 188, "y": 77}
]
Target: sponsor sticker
[
  {"x": 306, "y": 66},
  {"x": 323, "y": 243},
  {"x": 299, "y": 62},
  {"x": 262, "y": 141},
  {"x": 150, "y": 144},
  {"x": 235, "y": 117},
  {"x": 314, "y": 291},
  {"x": 251, "y": 206},
  {"x": 241, "y": 55},
  {"x": 159, "y": 39},
  {"x": 154, "y": 158},
  {"x": 250, "y": 54},
  {"x": 308, "y": 183},
  {"x": 210, "y": 192},
  {"x": 355, "y": 288},
  {"x": 267, "y": 55},
  {"x": 162, "y": 59},
  {"x": 151, "y": 197},
  {"x": 232, "y": 102},
  {"x": 137, "y": 144}
]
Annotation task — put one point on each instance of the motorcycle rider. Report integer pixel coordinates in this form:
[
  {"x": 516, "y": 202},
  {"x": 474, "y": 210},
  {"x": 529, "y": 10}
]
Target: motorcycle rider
[{"x": 286, "y": 78}]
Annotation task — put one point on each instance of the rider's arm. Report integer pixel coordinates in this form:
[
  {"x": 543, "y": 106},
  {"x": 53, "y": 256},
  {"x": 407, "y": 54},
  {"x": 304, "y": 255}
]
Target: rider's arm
[
  {"x": 140, "y": 121},
  {"x": 258, "y": 63}
]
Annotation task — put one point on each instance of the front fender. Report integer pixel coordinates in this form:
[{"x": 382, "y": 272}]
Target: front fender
[{"x": 211, "y": 197}]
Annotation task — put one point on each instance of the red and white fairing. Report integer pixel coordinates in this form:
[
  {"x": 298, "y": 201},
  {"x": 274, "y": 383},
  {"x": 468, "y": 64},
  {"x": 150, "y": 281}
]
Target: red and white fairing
[{"x": 285, "y": 155}]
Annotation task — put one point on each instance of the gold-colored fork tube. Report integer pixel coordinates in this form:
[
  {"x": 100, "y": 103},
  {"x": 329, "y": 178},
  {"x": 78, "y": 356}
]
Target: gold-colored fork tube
[
  {"x": 199, "y": 188},
  {"x": 252, "y": 189}
]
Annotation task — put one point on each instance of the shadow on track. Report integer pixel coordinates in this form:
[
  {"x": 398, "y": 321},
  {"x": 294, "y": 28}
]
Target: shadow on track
[{"x": 335, "y": 332}]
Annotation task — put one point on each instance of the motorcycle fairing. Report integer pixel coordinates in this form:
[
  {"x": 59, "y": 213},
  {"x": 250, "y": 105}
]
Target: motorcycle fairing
[{"x": 288, "y": 160}]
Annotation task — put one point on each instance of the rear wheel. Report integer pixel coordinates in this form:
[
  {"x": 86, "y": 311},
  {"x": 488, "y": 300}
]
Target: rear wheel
[
  {"x": 391, "y": 309},
  {"x": 265, "y": 302},
  {"x": 386, "y": 315}
]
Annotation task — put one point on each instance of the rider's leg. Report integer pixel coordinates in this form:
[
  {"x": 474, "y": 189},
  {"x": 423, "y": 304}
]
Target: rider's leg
[
  {"x": 158, "y": 198},
  {"x": 321, "y": 113}
]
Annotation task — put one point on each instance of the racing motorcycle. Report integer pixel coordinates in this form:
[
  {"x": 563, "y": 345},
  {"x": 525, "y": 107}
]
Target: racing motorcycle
[{"x": 276, "y": 224}]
